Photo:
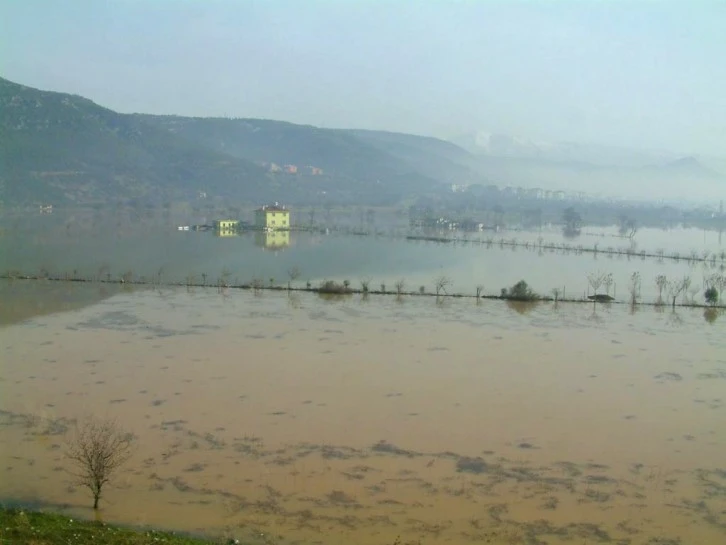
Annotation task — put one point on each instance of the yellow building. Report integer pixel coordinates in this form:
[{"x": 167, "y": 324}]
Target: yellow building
[
  {"x": 272, "y": 240},
  {"x": 272, "y": 217},
  {"x": 226, "y": 227}
]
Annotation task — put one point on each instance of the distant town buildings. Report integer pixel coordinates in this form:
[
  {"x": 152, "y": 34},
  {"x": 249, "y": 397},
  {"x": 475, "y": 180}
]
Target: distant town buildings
[
  {"x": 439, "y": 223},
  {"x": 534, "y": 193},
  {"x": 308, "y": 170}
]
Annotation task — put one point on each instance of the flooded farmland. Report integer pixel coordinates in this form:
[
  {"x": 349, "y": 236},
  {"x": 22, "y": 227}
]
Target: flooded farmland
[
  {"x": 110, "y": 245},
  {"x": 363, "y": 273},
  {"x": 293, "y": 418}
]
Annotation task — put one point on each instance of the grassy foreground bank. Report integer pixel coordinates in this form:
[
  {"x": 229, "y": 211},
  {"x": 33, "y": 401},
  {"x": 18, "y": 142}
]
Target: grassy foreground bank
[{"x": 20, "y": 527}]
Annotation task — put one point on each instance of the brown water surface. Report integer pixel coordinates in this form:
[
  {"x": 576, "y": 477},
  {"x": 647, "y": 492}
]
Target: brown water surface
[{"x": 298, "y": 419}]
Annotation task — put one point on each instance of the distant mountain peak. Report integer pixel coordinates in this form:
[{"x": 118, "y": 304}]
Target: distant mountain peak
[
  {"x": 688, "y": 161},
  {"x": 501, "y": 144},
  {"x": 690, "y": 166},
  {"x": 495, "y": 144}
]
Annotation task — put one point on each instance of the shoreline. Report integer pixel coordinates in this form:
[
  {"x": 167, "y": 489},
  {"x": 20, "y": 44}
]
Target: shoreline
[
  {"x": 340, "y": 290},
  {"x": 33, "y": 525}
]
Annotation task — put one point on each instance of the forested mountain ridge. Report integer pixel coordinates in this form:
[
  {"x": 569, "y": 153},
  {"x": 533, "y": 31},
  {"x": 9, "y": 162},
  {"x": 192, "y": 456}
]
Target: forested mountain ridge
[{"x": 62, "y": 148}]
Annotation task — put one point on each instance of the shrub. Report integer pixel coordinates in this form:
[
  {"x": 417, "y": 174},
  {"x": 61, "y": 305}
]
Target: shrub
[
  {"x": 711, "y": 295},
  {"x": 331, "y": 286},
  {"x": 519, "y": 292}
]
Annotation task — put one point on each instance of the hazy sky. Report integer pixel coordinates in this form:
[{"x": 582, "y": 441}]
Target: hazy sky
[{"x": 646, "y": 74}]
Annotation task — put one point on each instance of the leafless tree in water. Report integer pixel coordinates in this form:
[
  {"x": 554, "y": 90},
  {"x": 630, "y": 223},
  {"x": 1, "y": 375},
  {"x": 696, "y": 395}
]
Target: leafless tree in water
[
  {"x": 676, "y": 287},
  {"x": 441, "y": 283},
  {"x": 556, "y": 293},
  {"x": 596, "y": 279},
  {"x": 293, "y": 274},
  {"x": 608, "y": 282},
  {"x": 96, "y": 449},
  {"x": 693, "y": 291},
  {"x": 661, "y": 281},
  {"x": 634, "y": 287}
]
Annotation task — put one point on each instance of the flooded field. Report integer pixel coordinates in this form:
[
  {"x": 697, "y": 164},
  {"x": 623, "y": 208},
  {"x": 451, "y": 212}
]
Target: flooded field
[
  {"x": 20, "y": 301},
  {"x": 299, "y": 419},
  {"x": 152, "y": 249}
]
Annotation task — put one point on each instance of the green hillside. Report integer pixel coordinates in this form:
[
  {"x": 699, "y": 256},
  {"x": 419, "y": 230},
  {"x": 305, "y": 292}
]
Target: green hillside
[
  {"x": 351, "y": 167},
  {"x": 62, "y": 149},
  {"x": 429, "y": 156}
]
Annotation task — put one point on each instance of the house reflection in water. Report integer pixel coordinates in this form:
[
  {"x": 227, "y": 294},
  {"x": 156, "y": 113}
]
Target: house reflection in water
[
  {"x": 272, "y": 240},
  {"x": 226, "y": 228},
  {"x": 226, "y": 234}
]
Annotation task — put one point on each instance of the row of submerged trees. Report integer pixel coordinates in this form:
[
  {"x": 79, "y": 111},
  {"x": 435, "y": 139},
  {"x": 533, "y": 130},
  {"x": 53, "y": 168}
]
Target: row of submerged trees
[
  {"x": 541, "y": 246},
  {"x": 712, "y": 286},
  {"x": 602, "y": 284}
]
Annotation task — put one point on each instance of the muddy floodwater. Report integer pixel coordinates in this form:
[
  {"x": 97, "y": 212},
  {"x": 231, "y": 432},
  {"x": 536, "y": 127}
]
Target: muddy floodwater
[{"x": 298, "y": 419}]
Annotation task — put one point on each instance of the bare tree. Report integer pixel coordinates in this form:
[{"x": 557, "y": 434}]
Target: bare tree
[
  {"x": 293, "y": 274},
  {"x": 628, "y": 226},
  {"x": 399, "y": 285},
  {"x": 715, "y": 282},
  {"x": 661, "y": 281},
  {"x": 257, "y": 284},
  {"x": 311, "y": 217},
  {"x": 608, "y": 282},
  {"x": 441, "y": 283},
  {"x": 634, "y": 287},
  {"x": 479, "y": 290},
  {"x": 223, "y": 280},
  {"x": 692, "y": 291},
  {"x": 676, "y": 287},
  {"x": 96, "y": 450},
  {"x": 720, "y": 283},
  {"x": 556, "y": 294},
  {"x": 596, "y": 280}
]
